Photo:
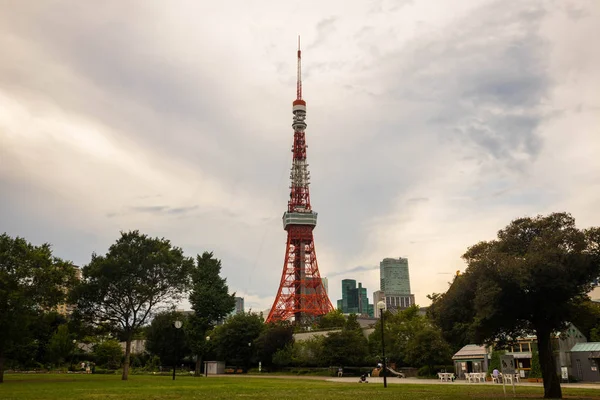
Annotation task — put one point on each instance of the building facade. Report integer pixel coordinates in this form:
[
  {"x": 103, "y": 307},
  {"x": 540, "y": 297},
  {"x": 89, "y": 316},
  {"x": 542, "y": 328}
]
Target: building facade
[
  {"x": 354, "y": 299},
  {"x": 239, "y": 305},
  {"x": 394, "y": 281}
]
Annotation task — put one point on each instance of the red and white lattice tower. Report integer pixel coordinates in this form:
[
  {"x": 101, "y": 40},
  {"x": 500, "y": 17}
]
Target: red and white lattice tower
[{"x": 301, "y": 293}]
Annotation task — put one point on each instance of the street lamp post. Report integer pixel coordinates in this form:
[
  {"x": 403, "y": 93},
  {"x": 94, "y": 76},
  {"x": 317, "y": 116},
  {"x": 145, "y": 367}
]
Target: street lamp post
[
  {"x": 206, "y": 363},
  {"x": 381, "y": 307},
  {"x": 249, "y": 356},
  {"x": 177, "y": 324},
  {"x": 73, "y": 352}
]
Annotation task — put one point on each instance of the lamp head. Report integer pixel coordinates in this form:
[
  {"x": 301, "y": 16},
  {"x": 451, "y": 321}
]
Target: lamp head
[
  {"x": 178, "y": 324},
  {"x": 381, "y": 305}
]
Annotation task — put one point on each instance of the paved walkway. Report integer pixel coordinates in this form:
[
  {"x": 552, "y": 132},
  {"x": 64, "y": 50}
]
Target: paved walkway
[{"x": 394, "y": 380}]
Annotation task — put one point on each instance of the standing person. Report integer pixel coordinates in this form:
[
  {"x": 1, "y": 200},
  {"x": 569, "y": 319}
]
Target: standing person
[{"x": 340, "y": 372}]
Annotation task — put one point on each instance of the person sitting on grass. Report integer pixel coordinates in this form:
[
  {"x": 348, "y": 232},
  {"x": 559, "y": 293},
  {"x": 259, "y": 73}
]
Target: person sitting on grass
[{"x": 363, "y": 378}]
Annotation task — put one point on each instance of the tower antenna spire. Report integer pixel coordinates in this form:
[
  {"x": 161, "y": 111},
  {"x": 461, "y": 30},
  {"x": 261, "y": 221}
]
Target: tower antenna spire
[{"x": 299, "y": 81}]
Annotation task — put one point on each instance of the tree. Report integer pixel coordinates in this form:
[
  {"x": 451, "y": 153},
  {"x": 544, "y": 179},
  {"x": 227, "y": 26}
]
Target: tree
[
  {"x": 275, "y": 337},
  {"x": 164, "y": 340},
  {"x": 532, "y": 279},
  {"x": 109, "y": 353},
  {"x": 210, "y": 300},
  {"x": 234, "y": 341},
  {"x": 535, "y": 371},
  {"x": 331, "y": 320},
  {"x": 411, "y": 339},
  {"x": 495, "y": 360},
  {"x": 427, "y": 347},
  {"x": 138, "y": 277},
  {"x": 348, "y": 347},
  {"x": 31, "y": 280},
  {"x": 60, "y": 345}
]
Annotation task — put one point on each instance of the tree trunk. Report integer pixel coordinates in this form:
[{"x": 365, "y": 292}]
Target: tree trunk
[
  {"x": 552, "y": 388},
  {"x": 198, "y": 365},
  {"x": 127, "y": 358},
  {"x": 1, "y": 367}
]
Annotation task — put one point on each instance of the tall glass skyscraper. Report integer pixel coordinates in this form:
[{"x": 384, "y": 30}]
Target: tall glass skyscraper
[{"x": 354, "y": 299}]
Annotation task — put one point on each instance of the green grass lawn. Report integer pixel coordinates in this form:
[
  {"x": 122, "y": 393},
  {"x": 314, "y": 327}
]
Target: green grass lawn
[{"x": 64, "y": 387}]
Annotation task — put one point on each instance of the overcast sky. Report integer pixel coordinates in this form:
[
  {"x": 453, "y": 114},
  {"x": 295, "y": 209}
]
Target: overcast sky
[{"x": 431, "y": 125}]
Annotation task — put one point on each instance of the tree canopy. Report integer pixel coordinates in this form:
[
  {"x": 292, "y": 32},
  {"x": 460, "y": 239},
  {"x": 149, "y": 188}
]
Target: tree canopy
[
  {"x": 32, "y": 281},
  {"x": 210, "y": 300},
  {"x": 138, "y": 277},
  {"x": 164, "y": 340},
  {"x": 234, "y": 341},
  {"x": 532, "y": 279}
]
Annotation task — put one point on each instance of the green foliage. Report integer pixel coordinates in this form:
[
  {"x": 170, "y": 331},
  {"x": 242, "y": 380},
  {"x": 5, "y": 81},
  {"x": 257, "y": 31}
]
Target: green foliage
[
  {"x": 210, "y": 300},
  {"x": 410, "y": 339},
  {"x": 352, "y": 324},
  {"x": 60, "y": 345},
  {"x": 309, "y": 352},
  {"x": 164, "y": 340},
  {"x": 234, "y": 341},
  {"x": 283, "y": 357},
  {"x": 427, "y": 347},
  {"x": 533, "y": 278},
  {"x": 31, "y": 280},
  {"x": 137, "y": 277},
  {"x": 536, "y": 369},
  {"x": 345, "y": 348},
  {"x": 274, "y": 337},
  {"x": 331, "y": 320},
  {"x": 595, "y": 334},
  {"x": 109, "y": 354},
  {"x": 495, "y": 362}
]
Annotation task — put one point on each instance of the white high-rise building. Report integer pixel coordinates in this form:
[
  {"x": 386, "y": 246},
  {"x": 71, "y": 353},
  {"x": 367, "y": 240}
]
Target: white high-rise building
[
  {"x": 395, "y": 283},
  {"x": 325, "y": 284}
]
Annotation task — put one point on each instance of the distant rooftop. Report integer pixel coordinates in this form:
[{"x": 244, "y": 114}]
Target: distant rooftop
[
  {"x": 590, "y": 346},
  {"x": 470, "y": 351}
]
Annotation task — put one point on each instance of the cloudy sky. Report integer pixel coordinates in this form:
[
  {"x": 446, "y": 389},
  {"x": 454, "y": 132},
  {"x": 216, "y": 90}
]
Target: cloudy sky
[{"x": 431, "y": 124}]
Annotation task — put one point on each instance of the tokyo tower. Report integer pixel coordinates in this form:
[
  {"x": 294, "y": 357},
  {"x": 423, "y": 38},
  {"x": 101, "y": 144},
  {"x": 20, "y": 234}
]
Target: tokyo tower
[{"x": 301, "y": 293}]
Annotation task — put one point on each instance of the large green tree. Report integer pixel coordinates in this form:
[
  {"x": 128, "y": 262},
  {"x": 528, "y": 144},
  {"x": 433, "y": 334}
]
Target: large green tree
[
  {"x": 411, "y": 339},
  {"x": 332, "y": 320},
  {"x": 32, "y": 280},
  {"x": 348, "y": 347},
  {"x": 532, "y": 279},
  {"x": 274, "y": 337},
  {"x": 108, "y": 353},
  {"x": 61, "y": 346},
  {"x": 138, "y": 277},
  {"x": 210, "y": 300},
  {"x": 164, "y": 340},
  {"x": 235, "y": 340}
]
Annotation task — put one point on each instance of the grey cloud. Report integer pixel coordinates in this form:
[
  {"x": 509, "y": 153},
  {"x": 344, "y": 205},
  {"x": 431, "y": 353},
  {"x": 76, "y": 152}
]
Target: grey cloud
[
  {"x": 150, "y": 209},
  {"x": 484, "y": 82},
  {"x": 157, "y": 210},
  {"x": 324, "y": 28},
  {"x": 353, "y": 270},
  {"x": 418, "y": 200}
]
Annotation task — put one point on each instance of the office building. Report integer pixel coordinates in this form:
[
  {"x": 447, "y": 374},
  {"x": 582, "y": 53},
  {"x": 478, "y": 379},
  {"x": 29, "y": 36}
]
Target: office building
[
  {"x": 239, "y": 305},
  {"x": 354, "y": 299},
  {"x": 395, "y": 283}
]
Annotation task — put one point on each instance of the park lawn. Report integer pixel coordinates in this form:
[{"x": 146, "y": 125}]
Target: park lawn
[{"x": 90, "y": 387}]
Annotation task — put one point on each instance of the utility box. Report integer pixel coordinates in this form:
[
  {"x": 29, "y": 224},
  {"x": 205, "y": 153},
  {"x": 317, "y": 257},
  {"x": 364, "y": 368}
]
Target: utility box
[{"x": 214, "y": 367}]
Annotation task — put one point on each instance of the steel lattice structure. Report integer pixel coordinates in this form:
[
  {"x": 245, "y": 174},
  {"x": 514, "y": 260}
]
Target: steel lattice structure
[{"x": 301, "y": 293}]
